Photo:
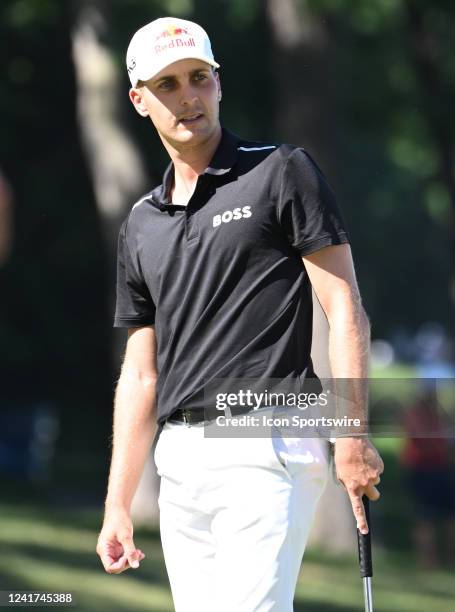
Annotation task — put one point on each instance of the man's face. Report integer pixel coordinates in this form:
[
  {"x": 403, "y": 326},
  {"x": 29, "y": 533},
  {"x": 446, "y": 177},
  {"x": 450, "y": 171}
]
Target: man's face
[{"x": 182, "y": 101}]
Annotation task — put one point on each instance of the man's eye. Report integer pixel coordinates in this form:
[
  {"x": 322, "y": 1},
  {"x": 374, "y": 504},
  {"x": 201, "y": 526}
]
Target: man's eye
[
  {"x": 200, "y": 76},
  {"x": 165, "y": 85}
]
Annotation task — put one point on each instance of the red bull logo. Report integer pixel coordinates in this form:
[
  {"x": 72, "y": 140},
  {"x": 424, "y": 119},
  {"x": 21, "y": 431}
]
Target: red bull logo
[
  {"x": 172, "y": 31},
  {"x": 172, "y": 37}
]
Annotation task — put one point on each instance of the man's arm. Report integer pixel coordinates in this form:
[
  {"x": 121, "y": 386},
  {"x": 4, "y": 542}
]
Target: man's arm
[
  {"x": 134, "y": 431},
  {"x": 332, "y": 275}
]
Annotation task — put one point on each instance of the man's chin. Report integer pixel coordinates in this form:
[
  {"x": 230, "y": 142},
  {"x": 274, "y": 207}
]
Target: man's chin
[
  {"x": 186, "y": 132},
  {"x": 194, "y": 135}
]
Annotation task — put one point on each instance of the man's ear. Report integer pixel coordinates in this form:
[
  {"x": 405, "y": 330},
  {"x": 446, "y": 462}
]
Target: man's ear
[
  {"x": 217, "y": 77},
  {"x": 137, "y": 99}
]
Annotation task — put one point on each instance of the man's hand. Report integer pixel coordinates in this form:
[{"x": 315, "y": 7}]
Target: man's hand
[
  {"x": 358, "y": 468},
  {"x": 115, "y": 546}
]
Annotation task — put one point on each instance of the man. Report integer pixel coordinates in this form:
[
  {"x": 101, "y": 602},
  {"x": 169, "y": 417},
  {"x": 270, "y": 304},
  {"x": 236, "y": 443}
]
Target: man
[{"x": 214, "y": 272}]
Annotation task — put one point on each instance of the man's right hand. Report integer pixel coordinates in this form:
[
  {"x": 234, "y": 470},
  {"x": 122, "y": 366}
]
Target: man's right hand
[
  {"x": 115, "y": 546},
  {"x": 358, "y": 467}
]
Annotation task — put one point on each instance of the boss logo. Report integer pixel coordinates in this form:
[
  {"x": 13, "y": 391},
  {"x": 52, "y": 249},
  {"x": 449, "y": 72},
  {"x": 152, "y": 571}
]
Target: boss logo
[{"x": 232, "y": 215}]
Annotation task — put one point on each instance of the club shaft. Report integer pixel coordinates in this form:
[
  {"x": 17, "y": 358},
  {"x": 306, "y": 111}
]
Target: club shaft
[{"x": 368, "y": 595}]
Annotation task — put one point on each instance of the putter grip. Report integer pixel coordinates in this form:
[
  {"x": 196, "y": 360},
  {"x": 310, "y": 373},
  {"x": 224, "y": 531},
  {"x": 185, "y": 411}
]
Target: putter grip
[{"x": 364, "y": 544}]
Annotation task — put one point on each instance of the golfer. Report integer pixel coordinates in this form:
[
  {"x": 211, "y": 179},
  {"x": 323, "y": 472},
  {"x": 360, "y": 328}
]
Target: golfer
[{"x": 215, "y": 269}]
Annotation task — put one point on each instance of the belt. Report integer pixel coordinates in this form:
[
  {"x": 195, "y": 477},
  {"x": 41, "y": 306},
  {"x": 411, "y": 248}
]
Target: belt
[
  {"x": 199, "y": 415},
  {"x": 192, "y": 417}
]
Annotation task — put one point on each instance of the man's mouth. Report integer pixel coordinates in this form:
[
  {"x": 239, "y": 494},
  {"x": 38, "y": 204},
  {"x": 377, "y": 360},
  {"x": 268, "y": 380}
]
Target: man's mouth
[{"x": 189, "y": 119}]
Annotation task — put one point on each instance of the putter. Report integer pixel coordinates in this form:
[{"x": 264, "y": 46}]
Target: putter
[{"x": 365, "y": 560}]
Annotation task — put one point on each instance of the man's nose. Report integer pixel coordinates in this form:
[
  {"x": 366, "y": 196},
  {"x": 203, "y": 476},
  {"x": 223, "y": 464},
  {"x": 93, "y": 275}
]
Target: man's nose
[{"x": 188, "y": 94}]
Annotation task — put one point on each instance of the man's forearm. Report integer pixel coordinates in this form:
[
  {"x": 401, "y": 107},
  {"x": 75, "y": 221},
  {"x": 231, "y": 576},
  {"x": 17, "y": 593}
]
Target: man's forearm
[
  {"x": 349, "y": 350},
  {"x": 134, "y": 431}
]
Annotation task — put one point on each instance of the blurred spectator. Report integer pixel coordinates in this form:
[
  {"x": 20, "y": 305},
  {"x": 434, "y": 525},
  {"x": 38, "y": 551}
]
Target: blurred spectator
[
  {"x": 6, "y": 224},
  {"x": 428, "y": 462},
  {"x": 433, "y": 347}
]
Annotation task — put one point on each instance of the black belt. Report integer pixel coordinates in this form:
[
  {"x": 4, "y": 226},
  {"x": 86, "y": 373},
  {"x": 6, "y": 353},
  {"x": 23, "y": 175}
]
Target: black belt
[
  {"x": 199, "y": 415},
  {"x": 192, "y": 417}
]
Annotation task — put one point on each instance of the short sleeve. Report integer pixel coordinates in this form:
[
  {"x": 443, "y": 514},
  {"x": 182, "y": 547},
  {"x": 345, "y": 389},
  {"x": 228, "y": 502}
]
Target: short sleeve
[
  {"x": 308, "y": 211},
  {"x": 134, "y": 304}
]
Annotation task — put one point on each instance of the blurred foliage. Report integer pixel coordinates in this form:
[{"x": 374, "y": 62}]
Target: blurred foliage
[{"x": 53, "y": 303}]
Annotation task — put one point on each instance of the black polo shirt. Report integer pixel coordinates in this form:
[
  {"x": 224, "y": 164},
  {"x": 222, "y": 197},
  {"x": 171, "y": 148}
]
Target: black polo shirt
[{"x": 222, "y": 279}]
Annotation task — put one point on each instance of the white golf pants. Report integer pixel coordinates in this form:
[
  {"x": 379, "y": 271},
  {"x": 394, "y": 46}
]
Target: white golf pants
[{"x": 235, "y": 514}]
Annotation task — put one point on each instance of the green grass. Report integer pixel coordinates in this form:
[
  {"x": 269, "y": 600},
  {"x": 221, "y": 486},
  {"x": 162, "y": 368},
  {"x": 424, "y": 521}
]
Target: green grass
[{"x": 55, "y": 551}]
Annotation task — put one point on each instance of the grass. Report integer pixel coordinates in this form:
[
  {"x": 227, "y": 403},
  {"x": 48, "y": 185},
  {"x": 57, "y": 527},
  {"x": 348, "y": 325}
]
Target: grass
[
  {"x": 332, "y": 585},
  {"x": 55, "y": 551}
]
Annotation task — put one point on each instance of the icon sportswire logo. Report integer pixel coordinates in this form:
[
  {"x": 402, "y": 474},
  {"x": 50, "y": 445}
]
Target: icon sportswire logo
[{"x": 232, "y": 215}]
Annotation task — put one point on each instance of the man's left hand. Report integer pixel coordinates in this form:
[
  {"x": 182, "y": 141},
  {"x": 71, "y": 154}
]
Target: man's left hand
[{"x": 358, "y": 468}]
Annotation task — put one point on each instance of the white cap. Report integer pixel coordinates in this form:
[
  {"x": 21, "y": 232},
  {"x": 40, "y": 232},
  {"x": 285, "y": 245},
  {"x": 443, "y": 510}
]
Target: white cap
[{"x": 162, "y": 42}]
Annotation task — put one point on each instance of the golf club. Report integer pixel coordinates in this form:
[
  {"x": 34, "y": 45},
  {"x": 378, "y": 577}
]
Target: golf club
[{"x": 365, "y": 559}]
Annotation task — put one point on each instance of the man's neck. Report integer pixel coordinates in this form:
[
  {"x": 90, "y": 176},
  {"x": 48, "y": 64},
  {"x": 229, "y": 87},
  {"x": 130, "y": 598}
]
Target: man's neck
[{"x": 189, "y": 163}]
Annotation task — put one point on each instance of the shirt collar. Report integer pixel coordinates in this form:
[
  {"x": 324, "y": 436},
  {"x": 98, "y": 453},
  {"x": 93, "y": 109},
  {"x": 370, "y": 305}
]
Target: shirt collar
[
  {"x": 225, "y": 155},
  {"x": 221, "y": 163}
]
